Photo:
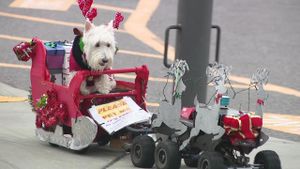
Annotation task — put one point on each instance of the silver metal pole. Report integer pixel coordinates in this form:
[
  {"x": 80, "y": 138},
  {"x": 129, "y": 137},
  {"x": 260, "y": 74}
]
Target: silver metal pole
[{"x": 192, "y": 45}]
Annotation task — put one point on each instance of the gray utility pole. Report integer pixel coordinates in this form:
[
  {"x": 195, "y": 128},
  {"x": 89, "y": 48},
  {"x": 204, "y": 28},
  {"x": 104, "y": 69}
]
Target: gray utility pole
[{"x": 192, "y": 44}]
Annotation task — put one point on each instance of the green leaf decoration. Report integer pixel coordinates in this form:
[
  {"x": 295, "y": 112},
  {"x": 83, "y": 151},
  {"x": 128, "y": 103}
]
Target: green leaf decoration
[{"x": 42, "y": 102}]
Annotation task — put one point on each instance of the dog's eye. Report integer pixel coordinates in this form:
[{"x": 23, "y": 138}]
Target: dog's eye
[
  {"x": 108, "y": 45},
  {"x": 97, "y": 44}
]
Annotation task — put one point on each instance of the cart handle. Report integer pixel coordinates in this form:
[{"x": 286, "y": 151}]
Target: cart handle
[{"x": 167, "y": 33}]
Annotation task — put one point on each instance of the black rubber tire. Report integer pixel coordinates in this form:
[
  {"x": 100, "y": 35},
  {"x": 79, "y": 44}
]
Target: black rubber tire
[
  {"x": 211, "y": 160},
  {"x": 167, "y": 155},
  {"x": 189, "y": 162},
  {"x": 268, "y": 158},
  {"x": 103, "y": 141},
  {"x": 142, "y": 151}
]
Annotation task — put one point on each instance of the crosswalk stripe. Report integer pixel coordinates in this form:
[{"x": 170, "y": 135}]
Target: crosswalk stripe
[
  {"x": 59, "y": 5},
  {"x": 112, "y": 8},
  {"x": 127, "y": 52},
  {"x": 45, "y": 20},
  {"x": 282, "y": 122}
]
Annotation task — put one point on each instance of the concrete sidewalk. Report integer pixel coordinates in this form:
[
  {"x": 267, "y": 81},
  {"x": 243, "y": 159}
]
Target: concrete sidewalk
[
  {"x": 21, "y": 149},
  {"x": 11, "y": 94}
]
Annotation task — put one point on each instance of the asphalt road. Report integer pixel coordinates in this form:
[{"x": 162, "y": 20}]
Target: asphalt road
[
  {"x": 254, "y": 33},
  {"x": 20, "y": 149}
]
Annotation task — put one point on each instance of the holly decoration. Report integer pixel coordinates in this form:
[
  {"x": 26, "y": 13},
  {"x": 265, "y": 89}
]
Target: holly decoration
[
  {"x": 50, "y": 111},
  {"x": 42, "y": 102}
]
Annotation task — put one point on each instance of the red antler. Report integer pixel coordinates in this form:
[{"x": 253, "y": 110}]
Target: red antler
[
  {"x": 85, "y": 7},
  {"x": 118, "y": 19}
]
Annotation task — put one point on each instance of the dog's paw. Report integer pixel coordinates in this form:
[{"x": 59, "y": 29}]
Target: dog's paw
[
  {"x": 113, "y": 84},
  {"x": 85, "y": 91},
  {"x": 103, "y": 91}
]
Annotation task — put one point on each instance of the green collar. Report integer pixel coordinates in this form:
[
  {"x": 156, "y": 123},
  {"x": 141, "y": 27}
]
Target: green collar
[{"x": 81, "y": 44}]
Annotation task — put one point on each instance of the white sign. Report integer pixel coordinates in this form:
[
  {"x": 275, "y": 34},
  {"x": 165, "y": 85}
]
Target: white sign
[{"x": 116, "y": 115}]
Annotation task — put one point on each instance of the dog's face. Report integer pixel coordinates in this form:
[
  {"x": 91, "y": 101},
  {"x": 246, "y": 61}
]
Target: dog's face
[{"x": 99, "y": 45}]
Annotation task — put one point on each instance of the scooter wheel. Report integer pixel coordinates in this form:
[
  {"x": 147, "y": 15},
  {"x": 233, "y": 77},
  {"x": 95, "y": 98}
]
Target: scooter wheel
[
  {"x": 268, "y": 159},
  {"x": 211, "y": 160},
  {"x": 167, "y": 155},
  {"x": 189, "y": 162},
  {"x": 142, "y": 151}
]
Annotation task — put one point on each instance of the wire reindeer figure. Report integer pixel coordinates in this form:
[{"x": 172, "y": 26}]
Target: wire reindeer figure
[
  {"x": 258, "y": 80},
  {"x": 176, "y": 72},
  {"x": 218, "y": 75}
]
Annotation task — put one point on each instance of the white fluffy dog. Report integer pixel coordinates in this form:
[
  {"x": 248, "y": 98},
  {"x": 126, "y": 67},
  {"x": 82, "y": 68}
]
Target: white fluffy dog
[{"x": 99, "y": 48}]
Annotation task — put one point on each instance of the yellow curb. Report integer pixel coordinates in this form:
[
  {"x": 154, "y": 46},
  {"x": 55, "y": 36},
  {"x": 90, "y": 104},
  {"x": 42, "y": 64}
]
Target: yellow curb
[{"x": 6, "y": 99}]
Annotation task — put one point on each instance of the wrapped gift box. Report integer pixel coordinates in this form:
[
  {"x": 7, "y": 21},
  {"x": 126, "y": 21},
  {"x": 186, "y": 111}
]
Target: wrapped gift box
[
  {"x": 242, "y": 127},
  {"x": 24, "y": 50},
  {"x": 187, "y": 113},
  {"x": 55, "y": 55}
]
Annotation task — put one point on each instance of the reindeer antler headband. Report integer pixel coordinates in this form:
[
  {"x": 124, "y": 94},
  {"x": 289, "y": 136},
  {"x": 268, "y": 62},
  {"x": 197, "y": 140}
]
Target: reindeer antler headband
[
  {"x": 87, "y": 12},
  {"x": 85, "y": 7},
  {"x": 118, "y": 19}
]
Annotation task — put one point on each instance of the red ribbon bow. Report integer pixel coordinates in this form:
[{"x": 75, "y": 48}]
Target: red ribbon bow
[{"x": 260, "y": 102}]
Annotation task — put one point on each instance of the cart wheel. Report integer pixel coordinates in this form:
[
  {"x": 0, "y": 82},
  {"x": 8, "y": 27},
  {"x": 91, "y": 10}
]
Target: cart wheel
[
  {"x": 269, "y": 159},
  {"x": 167, "y": 155},
  {"x": 82, "y": 151},
  {"x": 190, "y": 162},
  {"x": 211, "y": 160},
  {"x": 142, "y": 151},
  {"x": 103, "y": 141}
]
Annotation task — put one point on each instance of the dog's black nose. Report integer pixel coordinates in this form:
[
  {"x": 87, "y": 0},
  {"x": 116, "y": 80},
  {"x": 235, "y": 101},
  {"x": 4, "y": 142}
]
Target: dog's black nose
[{"x": 104, "y": 60}]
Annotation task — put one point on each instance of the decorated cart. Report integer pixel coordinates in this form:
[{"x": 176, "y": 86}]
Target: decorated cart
[
  {"x": 64, "y": 115},
  {"x": 207, "y": 135},
  {"x": 62, "y": 112}
]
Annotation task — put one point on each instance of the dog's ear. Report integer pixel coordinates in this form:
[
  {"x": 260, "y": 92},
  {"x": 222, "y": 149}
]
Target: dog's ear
[
  {"x": 88, "y": 26},
  {"x": 77, "y": 32},
  {"x": 110, "y": 26}
]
